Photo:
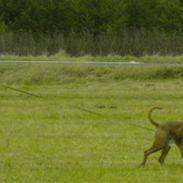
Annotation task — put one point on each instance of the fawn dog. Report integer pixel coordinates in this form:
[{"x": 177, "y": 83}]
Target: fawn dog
[{"x": 165, "y": 134}]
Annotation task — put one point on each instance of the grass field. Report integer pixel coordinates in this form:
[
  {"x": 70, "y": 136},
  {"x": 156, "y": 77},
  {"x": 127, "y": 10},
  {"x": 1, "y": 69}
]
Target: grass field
[
  {"x": 50, "y": 139},
  {"x": 62, "y": 56}
]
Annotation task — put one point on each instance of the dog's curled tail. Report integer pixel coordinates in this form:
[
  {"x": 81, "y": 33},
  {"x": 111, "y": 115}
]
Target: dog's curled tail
[{"x": 150, "y": 118}]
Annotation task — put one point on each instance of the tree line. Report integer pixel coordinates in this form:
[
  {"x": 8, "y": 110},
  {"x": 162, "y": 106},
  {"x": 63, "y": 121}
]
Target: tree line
[
  {"x": 96, "y": 27},
  {"x": 93, "y": 16}
]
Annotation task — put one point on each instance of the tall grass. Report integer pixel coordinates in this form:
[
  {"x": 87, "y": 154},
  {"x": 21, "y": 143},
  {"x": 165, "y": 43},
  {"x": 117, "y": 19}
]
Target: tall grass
[
  {"x": 127, "y": 42},
  {"x": 49, "y": 74}
]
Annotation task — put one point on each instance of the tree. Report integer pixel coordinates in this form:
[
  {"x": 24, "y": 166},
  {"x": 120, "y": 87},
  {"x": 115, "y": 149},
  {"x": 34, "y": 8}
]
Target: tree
[
  {"x": 95, "y": 16},
  {"x": 171, "y": 15}
]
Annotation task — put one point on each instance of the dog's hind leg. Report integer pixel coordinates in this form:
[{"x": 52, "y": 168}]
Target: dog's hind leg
[
  {"x": 153, "y": 149},
  {"x": 164, "y": 154},
  {"x": 159, "y": 143}
]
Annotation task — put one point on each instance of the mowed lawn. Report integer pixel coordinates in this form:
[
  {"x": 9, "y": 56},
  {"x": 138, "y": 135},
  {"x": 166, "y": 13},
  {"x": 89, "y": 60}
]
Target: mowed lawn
[{"x": 84, "y": 132}]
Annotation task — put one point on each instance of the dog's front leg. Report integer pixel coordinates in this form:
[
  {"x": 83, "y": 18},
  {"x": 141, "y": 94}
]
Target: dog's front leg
[{"x": 181, "y": 150}]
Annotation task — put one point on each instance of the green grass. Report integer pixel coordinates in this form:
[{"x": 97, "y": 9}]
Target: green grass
[
  {"x": 58, "y": 74},
  {"x": 50, "y": 139},
  {"x": 62, "y": 56}
]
